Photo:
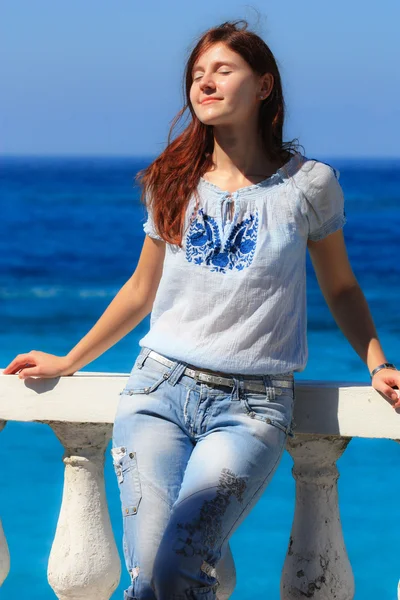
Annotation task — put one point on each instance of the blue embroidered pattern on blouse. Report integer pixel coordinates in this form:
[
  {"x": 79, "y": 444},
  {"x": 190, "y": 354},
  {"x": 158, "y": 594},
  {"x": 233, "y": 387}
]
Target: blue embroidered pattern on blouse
[{"x": 203, "y": 243}]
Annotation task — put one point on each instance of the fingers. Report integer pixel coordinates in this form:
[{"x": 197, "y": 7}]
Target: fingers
[
  {"x": 390, "y": 393},
  {"x": 396, "y": 397},
  {"x": 18, "y": 363},
  {"x": 393, "y": 395},
  {"x": 28, "y": 373}
]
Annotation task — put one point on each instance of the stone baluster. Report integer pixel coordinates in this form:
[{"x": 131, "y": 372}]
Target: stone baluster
[
  {"x": 4, "y": 553},
  {"x": 316, "y": 563},
  {"x": 84, "y": 563}
]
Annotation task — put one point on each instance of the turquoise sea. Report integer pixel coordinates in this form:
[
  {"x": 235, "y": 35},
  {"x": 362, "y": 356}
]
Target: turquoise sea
[{"x": 70, "y": 236}]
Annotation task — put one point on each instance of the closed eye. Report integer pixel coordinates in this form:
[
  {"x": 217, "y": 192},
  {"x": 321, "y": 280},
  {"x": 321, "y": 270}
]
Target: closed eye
[{"x": 220, "y": 72}]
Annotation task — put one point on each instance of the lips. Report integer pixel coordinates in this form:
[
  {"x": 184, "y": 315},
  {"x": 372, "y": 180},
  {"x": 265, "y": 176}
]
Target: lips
[{"x": 207, "y": 100}]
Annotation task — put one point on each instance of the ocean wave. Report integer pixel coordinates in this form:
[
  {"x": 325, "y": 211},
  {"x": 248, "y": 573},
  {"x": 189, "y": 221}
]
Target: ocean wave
[{"x": 52, "y": 291}]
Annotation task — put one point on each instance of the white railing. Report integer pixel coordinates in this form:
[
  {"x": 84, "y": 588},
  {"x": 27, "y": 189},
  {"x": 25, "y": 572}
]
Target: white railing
[{"x": 84, "y": 562}]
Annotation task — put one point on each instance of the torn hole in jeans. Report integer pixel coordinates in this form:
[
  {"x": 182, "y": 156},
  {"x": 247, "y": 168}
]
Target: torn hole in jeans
[
  {"x": 134, "y": 573},
  {"x": 209, "y": 570}
]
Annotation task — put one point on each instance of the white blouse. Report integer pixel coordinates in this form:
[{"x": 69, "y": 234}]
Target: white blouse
[{"x": 233, "y": 299}]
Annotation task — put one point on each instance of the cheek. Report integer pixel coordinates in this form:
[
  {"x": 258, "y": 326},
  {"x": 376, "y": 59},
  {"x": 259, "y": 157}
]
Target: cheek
[
  {"x": 240, "y": 99},
  {"x": 193, "y": 100},
  {"x": 237, "y": 91}
]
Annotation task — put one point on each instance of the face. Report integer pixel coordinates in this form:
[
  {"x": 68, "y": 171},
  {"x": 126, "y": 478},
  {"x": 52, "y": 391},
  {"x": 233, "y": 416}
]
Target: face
[{"x": 225, "y": 90}]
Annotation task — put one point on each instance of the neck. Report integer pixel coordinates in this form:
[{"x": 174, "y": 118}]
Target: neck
[{"x": 240, "y": 154}]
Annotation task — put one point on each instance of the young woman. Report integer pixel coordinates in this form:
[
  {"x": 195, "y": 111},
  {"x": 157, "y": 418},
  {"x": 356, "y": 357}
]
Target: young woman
[{"x": 204, "y": 417}]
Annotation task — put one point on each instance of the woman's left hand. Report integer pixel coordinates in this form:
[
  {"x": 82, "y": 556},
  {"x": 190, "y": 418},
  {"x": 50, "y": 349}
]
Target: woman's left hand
[{"x": 384, "y": 380}]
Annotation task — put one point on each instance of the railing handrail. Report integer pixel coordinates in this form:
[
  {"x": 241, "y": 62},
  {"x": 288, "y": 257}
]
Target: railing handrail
[{"x": 337, "y": 408}]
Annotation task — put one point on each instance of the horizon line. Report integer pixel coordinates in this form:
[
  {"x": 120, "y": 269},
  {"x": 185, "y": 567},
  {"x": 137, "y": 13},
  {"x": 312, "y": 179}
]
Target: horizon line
[{"x": 152, "y": 157}]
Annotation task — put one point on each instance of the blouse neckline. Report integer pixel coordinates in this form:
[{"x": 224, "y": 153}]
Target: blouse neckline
[{"x": 282, "y": 173}]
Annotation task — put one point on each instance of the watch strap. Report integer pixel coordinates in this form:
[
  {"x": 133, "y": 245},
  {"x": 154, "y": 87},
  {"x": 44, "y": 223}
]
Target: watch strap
[{"x": 383, "y": 366}]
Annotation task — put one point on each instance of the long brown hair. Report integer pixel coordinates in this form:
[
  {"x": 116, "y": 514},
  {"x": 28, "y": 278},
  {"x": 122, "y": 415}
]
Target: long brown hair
[{"x": 170, "y": 180}]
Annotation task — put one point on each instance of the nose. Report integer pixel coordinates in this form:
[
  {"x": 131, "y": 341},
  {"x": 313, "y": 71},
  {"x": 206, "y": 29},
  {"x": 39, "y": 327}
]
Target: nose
[{"x": 207, "y": 82}]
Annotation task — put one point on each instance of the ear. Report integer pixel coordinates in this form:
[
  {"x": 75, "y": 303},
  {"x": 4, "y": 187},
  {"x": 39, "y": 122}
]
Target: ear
[{"x": 266, "y": 85}]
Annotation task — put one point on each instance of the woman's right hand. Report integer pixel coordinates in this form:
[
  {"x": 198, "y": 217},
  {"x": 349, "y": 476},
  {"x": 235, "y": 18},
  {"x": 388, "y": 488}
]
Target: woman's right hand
[{"x": 39, "y": 364}]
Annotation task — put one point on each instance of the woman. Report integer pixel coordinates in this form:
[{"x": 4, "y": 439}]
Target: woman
[{"x": 204, "y": 417}]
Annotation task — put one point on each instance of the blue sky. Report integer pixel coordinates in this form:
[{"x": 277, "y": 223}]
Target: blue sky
[{"x": 104, "y": 78}]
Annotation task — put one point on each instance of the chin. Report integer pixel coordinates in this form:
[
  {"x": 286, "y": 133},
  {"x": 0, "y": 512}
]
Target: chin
[{"x": 210, "y": 120}]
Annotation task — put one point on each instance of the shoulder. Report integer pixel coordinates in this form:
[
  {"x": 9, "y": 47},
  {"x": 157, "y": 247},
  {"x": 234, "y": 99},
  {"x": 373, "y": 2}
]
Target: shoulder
[
  {"x": 314, "y": 176},
  {"x": 321, "y": 197}
]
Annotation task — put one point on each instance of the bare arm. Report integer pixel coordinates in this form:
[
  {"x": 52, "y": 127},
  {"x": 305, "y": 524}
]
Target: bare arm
[
  {"x": 130, "y": 306},
  {"x": 350, "y": 309},
  {"x": 133, "y": 302}
]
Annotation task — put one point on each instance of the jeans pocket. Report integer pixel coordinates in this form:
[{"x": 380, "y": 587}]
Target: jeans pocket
[
  {"x": 273, "y": 407},
  {"x": 126, "y": 470},
  {"x": 283, "y": 399},
  {"x": 145, "y": 380}
]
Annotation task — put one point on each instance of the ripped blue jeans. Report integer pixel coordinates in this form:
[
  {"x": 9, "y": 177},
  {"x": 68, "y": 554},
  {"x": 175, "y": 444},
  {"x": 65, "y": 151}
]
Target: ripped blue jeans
[{"x": 191, "y": 459}]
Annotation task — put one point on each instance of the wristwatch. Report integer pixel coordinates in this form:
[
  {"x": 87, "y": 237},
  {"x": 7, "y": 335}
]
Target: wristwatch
[{"x": 383, "y": 366}]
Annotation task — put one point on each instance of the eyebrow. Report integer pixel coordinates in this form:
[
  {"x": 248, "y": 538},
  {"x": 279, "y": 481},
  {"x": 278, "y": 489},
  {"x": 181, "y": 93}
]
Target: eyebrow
[{"x": 215, "y": 64}]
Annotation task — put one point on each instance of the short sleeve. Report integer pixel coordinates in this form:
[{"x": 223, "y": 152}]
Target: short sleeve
[
  {"x": 325, "y": 209},
  {"x": 148, "y": 226}
]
